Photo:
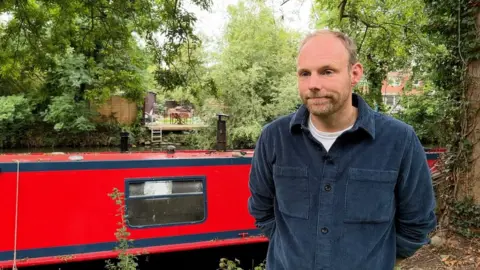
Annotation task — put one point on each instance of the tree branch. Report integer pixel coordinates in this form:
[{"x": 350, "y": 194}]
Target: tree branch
[
  {"x": 361, "y": 44},
  {"x": 342, "y": 9},
  {"x": 367, "y": 24}
]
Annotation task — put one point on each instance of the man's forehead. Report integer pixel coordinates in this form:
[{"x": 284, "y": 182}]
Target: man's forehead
[{"x": 324, "y": 48}]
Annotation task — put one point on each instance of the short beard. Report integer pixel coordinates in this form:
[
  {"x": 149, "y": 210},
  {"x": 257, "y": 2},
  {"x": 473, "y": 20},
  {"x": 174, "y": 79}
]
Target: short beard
[{"x": 325, "y": 108}]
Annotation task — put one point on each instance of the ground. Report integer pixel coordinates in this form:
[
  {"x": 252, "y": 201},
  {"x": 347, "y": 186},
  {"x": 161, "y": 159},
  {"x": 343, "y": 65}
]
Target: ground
[{"x": 455, "y": 253}]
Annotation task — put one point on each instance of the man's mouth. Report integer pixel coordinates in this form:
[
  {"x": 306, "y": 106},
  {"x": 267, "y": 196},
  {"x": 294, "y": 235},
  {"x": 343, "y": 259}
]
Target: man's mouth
[{"x": 319, "y": 98}]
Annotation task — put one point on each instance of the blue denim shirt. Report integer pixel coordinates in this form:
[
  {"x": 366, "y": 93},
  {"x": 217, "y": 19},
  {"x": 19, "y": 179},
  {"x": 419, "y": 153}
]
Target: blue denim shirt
[{"x": 366, "y": 202}]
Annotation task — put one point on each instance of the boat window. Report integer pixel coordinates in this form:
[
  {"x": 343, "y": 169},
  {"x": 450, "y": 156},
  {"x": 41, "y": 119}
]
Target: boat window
[{"x": 165, "y": 201}]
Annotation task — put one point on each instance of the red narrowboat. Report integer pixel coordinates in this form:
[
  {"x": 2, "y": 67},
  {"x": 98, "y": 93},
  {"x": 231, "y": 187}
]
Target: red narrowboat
[{"x": 55, "y": 207}]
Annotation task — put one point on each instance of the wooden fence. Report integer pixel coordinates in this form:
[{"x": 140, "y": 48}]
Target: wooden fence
[{"x": 124, "y": 110}]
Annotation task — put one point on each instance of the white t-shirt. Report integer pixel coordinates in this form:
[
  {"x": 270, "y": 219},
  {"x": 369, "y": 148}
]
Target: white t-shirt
[{"x": 325, "y": 138}]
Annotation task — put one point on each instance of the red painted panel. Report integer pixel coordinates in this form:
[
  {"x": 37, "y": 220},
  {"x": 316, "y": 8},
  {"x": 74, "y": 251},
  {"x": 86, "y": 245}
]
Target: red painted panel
[
  {"x": 73, "y": 207},
  {"x": 7, "y": 202},
  {"x": 46, "y": 157}
]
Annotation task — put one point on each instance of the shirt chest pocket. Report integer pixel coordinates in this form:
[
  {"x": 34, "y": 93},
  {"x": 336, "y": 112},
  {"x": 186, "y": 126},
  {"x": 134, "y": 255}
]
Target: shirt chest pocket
[
  {"x": 370, "y": 196},
  {"x": 291, "y": 185}
]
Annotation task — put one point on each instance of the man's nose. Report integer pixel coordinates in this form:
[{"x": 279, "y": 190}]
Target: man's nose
[{"x": 314, "y": 83}]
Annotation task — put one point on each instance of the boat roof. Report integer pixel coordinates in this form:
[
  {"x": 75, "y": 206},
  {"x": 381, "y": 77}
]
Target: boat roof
[
  {"x": 134, "y": 155},
  {"x": 141, "y": 155}
]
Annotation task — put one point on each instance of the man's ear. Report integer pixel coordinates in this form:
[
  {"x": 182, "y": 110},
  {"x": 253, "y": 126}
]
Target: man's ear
[{"x": 356, "y": 73}]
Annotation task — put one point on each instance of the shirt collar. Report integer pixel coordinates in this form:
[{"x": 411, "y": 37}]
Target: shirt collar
[{"x": 365, "y": 119}]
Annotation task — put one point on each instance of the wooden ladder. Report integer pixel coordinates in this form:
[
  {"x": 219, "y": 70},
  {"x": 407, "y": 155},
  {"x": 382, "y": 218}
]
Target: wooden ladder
[{"x": 156, "y": 135}]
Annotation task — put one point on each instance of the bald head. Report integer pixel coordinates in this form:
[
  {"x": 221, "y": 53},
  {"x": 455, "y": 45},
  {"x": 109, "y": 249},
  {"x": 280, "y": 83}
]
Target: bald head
[{"x": 346, "y": 41}]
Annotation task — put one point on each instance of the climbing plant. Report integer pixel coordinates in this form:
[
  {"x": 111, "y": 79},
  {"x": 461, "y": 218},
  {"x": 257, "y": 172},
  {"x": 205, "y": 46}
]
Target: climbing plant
[
  {"x": 126, "y": 260},
  {"x": 226, "y": 264},
  {"x": 451, "y": 23},
  {"x": 466, "y": 218}
]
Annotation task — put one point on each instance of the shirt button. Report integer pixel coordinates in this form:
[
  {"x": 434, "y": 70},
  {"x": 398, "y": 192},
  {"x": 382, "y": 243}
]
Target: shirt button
[
  {"x": 328, "y": 159},
  {"x": 327, "y": 187},
  {"x": 324, "y": 230}
]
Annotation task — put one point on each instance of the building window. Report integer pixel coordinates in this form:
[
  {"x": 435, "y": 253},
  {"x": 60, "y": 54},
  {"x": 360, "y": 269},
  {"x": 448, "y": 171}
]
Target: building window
[
  {"x": 417, "y": 83},
  {"x": 164, "y": 201},
  {"x": 394, "y": 81},
  {"x": 389, "y": 100}
]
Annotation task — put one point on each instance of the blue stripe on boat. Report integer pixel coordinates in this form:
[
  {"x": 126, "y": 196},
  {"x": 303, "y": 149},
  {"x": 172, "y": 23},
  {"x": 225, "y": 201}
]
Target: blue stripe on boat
[
  {"x": 141, "y": 243},
  {"x": 131, "y": 164}
]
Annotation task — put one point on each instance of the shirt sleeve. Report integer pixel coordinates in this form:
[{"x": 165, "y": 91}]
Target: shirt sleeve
[
  {"x": 415, "y": 217},
  {"x": 260, "y": 202}
]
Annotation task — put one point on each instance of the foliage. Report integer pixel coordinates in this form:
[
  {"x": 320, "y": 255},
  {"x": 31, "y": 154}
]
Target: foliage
[
  {"x": 387, "y": 36},
  {"x": 69, "y": 116},
  {"x": 253, "y": 71},
  {"x": 425, "y": 111},
  {"x": 452, "y": 24},
  {"x": 68, "y": 73},
  {"x": 466, "y": 218},
  {"x": 108, "y": 34},
  {"x": 15, "y": 115},
  {"x": 226, "y": 264},
  {"x": 192, "y": 82},
  {"x": 122, "y": 74},
  {"x": 88, "y": 51},
  {"x": 286, "y": 100},
  {"x": 126, "y": 260}
]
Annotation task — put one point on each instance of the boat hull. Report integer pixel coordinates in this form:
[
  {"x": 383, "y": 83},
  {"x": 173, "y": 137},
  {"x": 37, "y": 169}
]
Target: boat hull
[{"x": 57, "y": 209}]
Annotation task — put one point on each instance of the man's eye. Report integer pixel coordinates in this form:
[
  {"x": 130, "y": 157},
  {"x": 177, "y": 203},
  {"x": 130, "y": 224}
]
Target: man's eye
[
  {"x": 304, "y": 73},
  {"x": 328, "y": 72}
]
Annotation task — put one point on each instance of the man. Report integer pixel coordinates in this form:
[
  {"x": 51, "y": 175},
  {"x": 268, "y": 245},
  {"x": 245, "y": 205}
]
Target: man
[{"x": 336, "y": 185}]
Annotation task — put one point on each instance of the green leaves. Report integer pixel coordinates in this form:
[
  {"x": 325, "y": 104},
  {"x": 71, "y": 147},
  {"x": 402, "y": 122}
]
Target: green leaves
[
  {"x": 466, "y": 218},
  {"x": 417, "y": 37},
  {"x": 388, "y": 35},
  {"x": 14, "y": 111},
  {"x": 226, "y": 264},
  {"x": 89, "y": 45},
  {"x": 15, "y": 114},
  {"x": 126, "y": 260},
  {"x": 70, "y": 72},
  {"x": 426, "y": 111},
  {"x": 69, "y": 116},
  {"x": 254, "y": 71},
  {"x": 63, "y": 55}
]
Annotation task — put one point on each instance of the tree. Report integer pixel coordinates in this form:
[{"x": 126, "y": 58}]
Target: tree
[
  {"x": 100, "y": 32},
  {"x": 387, "y": 34},
  {"x": 255, "y": 74},
  {"x": 455, "y": 24},
  {"x": 188, "y": 77},
  {"x": 86, "y": 51}
]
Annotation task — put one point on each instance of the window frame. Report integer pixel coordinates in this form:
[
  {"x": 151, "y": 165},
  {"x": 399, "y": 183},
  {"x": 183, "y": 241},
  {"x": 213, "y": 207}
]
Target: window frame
[
  {"x": 394, "y": 81},
  {"x": 390, "y": 96},
  {"x": 129, "y": 181}
]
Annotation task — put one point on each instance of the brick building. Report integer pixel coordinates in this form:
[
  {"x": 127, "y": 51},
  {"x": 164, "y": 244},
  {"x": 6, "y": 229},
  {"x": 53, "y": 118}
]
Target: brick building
[{"x": 393, "y": 88}]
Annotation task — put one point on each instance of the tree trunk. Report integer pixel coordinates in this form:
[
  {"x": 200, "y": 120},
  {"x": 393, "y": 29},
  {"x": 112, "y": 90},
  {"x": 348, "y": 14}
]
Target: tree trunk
[{"x": 470, "y": 185}]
